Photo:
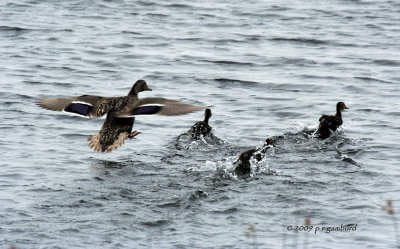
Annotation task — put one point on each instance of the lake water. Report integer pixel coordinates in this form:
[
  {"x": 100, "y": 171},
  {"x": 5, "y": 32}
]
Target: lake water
[{"x": 266, "y": 68}]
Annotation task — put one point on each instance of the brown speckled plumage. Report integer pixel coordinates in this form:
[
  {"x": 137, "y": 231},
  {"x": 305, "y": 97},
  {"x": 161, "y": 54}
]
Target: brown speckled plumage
[
  {"x": 113, "y": 133},
  {"x": 201, "y": 128}
]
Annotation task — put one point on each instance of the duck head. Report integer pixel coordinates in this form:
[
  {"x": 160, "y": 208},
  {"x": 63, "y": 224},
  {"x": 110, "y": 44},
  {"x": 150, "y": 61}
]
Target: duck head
[
  {"x": 139, "y": 86},
  {"x": 340, "y": 106},
  {"x": 207, "y": 115}
]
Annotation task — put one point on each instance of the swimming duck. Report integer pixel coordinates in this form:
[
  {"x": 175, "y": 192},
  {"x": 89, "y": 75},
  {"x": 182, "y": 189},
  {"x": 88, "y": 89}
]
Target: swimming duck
[
  {"x": 120, "y": 113},
  {"x": 243, "y": 163},
  {"x": 328, "y": 123},
  {"x": 201, "y": 128}
]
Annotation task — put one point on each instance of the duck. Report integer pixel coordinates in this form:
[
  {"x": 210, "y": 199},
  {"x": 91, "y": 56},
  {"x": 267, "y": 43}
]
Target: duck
[
  {"x": 121, "y": 112},
  {"x": 201, "y": 128},
  {"x": 243, "y": 166},
  {"x": 328, "y": 123}
]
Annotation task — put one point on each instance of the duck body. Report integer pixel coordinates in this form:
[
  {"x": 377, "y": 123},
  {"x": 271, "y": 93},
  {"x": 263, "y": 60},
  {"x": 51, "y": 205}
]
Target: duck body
[
  {"x": 115, "y": 130},
  {"x": 113, "y": 133},
  {"x": 330, "y": 123},
  {"x": 121, "y": 112},
  {"x": 243, "y": 166},
  {"x": 201, "y": 128}
]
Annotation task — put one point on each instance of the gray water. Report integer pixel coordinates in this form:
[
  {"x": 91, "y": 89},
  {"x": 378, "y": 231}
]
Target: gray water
[{"x": 266, "y": 68}]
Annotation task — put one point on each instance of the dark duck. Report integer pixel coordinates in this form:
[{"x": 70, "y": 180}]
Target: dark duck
[
  {"x": 243, "y": 166},
  {"x": 330, "y": 123},
  {"x": 201, "y": 128},
  {"x": 121, "y": 113}
]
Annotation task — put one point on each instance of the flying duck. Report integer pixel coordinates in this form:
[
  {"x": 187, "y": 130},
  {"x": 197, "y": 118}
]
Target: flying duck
[
  {"x": 328, "y": 123},
  {"x": 121, "y": 112},
  {"x": 243, "y": 163},
  {"x": 201, "y": 128}
]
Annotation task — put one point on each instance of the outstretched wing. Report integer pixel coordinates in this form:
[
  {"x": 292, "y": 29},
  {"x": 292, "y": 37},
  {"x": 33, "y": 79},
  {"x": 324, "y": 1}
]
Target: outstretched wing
[
  {"x": 89, "y": 106},
  {"x": 157, "y": 106}
]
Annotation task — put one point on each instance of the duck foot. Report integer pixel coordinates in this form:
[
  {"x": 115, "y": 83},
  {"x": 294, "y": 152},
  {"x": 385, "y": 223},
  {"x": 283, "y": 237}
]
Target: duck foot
[{"x": 133, "y": 134}]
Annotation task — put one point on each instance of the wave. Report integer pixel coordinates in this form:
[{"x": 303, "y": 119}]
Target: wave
[
  {"x": 226, "y": 81},
  {"x": 227, "y": 62},
  {"x": 13, "y": 28},
  {"x": 386, "y": 62},
  {"x": 314, "y": 41},
  {"x": 301, "y": 40},
  {"x": 372, "y": 79}
]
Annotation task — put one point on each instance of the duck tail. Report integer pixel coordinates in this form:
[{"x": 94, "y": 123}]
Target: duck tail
[
  {"x": 96, "y": 143},
  {"x": 117, "y": 142}
]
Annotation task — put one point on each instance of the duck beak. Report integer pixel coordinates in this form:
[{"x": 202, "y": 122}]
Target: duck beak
[
  {"x": 148, "y": 89},
  {"x": 345, "y": 107}
]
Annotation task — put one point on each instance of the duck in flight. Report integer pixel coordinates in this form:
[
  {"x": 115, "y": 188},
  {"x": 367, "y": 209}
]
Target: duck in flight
[
  {"x": 121, "y": 113},
  {"x": 328, "y": 123}
]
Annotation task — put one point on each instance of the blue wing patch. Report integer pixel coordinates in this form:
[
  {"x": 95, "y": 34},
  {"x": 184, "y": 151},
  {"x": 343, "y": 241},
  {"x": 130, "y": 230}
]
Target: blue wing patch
[
  {"x": 146, "y": 110},
  {"x": 78, "y": 108}
]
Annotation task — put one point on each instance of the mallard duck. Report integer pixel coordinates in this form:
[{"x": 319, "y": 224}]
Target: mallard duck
[
  {"x": 201, "y": 128},
  {"x": 120, "y": 113},
  {"x": 243, "y": 163},
  {"x": 328, "y": 123}
]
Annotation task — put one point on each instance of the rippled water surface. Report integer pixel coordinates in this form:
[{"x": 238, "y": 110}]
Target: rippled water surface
[{"x": 266, "y": 68}]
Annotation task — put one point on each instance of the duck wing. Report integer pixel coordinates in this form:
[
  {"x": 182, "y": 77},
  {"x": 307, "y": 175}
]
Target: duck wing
[
  {"x": 113, "y": 133},
  {"x": 327, "y": 123},
  {"x": 244, "y": 166},
  {"x": 89, "y": 106},
  {"x": 156, "y": 106},
  {"x": 323, "y": 117},
  {"x": 332, "y": 122}
]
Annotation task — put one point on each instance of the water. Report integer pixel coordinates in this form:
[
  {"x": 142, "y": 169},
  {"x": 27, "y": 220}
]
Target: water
[{"x": 267, "y": 68}]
